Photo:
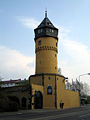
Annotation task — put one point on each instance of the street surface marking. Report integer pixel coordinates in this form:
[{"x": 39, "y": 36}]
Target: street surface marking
[
  {"x": 85, "y": 115},
  {"x": 56, "y": 116},
  {"x": 19, "y": 113}
]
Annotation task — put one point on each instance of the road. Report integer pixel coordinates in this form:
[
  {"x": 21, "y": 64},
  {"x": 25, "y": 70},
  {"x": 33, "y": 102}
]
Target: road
[{"x": 82, "y": 113}]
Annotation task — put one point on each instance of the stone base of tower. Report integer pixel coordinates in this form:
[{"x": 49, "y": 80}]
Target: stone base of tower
[{"x": 48, "y": 92}]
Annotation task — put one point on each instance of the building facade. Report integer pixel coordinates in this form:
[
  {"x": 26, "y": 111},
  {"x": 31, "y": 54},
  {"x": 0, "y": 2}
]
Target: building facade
[
  {"x": 9, "y": 83},
  {"x": 14, "y": 92},
  {"x": 47, "y": 86}
]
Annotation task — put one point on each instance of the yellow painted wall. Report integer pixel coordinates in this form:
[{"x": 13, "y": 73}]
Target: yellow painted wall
[
  {"x": 60, "y": 90},
  {"x": 70, "y": 98},
  {"x": 36, "y": 80},
  {"x": 46, "y": 55},
  {"x": 49, "y": 100},
  {"x": 36, "y": 88}
]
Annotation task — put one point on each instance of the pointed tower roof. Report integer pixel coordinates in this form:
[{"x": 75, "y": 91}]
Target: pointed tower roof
[
  {"x": 46, "y": 29},
  {"x": 46, "y": 22}
]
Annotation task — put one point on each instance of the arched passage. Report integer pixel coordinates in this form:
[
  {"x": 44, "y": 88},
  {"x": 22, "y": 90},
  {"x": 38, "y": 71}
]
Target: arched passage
[{"x": 38, "y": 100}]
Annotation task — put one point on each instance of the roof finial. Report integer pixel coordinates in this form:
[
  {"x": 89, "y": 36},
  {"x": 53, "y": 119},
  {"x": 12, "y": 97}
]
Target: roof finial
[{"x": 46, "y": 13}]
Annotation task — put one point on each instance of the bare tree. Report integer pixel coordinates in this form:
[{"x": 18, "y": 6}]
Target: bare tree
[{"x": 85, "y": 89}]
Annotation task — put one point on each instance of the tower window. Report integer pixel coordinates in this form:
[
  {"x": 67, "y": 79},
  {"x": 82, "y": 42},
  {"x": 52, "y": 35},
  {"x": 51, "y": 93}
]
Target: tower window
[
  {"x": 39, "y": 31},
  {"x": 56, "y": 44},
  {"x": 52, "y": 30},
  {"x": 55, "y": 67},
  {"x": 39, "y": 42},
  {"x": 55, "y": 32},
  {"x": 55, "y": 55},
  {"x": 49, "y": 78}
]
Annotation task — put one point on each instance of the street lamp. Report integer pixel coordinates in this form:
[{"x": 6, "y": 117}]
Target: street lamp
[
  {"x": 79, "y": 84},
  {"x": 83, "y": 75}
]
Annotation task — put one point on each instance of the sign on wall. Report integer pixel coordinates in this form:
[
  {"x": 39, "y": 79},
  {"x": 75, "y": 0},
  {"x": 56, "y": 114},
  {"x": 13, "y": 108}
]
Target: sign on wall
[{"x": 49, "y": 90}]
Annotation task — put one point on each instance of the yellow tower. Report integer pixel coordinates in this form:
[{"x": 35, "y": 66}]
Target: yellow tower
[
  {"x": 46, "y": 42},
  {"x": 47, "y": 86}
]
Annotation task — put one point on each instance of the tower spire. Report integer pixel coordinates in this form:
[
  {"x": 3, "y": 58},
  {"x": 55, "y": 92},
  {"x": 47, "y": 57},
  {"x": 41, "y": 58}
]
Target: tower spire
[{"x": 46, "y": 13}]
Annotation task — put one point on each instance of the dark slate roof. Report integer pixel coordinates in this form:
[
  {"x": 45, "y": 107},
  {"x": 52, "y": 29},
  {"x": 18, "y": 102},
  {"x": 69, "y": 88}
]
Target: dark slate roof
[
  {"x": 46, "y": 23},
  {"x": 46, "y": 26}
]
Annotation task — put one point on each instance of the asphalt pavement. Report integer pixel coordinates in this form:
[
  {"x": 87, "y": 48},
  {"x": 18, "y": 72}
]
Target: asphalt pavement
[{"x": 82, "y": 113}]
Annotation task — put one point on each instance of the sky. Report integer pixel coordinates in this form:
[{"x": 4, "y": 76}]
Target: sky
[{"x": 19, "y": 18}]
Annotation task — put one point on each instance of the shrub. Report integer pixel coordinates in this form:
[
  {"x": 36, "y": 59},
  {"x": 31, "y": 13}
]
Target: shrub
[
  {"x": 13, "y": 106},
  {"x": 8, "y": 105}
]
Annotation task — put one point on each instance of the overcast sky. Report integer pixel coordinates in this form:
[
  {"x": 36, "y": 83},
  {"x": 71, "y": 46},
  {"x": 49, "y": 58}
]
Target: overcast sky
[{"x": 18, "y": 18}]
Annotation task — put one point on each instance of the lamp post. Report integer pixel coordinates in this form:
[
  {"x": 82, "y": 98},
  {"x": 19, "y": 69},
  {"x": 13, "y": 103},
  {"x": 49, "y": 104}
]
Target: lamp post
[
  {"x": 79, "y": 84},
  {"x": 83, "y": 75}
]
